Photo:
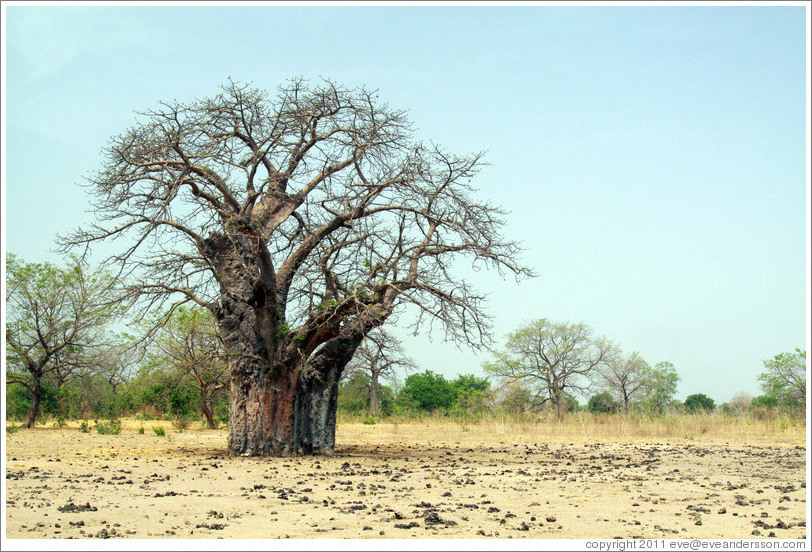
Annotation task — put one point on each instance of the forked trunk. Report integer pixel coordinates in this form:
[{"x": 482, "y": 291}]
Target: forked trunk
[
  {"x": 33, "y": 412},
  {"x": 283, "y": 399},
  {"x": 206, "y": 408}
]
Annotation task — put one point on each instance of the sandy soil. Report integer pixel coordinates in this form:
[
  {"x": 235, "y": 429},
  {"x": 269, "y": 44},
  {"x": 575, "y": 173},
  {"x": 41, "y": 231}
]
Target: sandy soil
[{"x": 386, "y": 482}]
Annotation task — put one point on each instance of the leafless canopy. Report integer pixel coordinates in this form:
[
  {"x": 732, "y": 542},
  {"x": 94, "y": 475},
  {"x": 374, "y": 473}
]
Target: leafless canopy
[
  {"x": 626, "y": 376},
  {"x": 335, "y": 209},
  {"x": 380, "y": 354}
]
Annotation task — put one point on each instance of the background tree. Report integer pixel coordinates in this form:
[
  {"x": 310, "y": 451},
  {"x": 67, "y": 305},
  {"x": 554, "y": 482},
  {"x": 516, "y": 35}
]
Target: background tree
[
  {"x": 602, "y": 403},
  {"x": 626, "y": 377},
  {"x": 101, "y": 387},
  {"x": 380, "y": 356},
  {"x": 785, "y": 378},
  {"x": 740, "y": 403},
  {"x": 301, "y": 222},
  {"x": 552, "y": 358},
  {"x": 428, "y": 391},
  {"x": 661, "y": 386},
  {"x": 353, "y": 393},
  {"x": 514, "y": 396},
  {"x": 190, "y": 343},
  {"x": 54, "y": 320},
  {"x": 699, "y": 401},
  {"x": 472, "y": 394}
]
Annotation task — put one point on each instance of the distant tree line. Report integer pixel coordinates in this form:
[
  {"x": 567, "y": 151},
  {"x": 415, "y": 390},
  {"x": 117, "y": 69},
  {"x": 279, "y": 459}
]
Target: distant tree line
[{"x": 63, "y": 360}]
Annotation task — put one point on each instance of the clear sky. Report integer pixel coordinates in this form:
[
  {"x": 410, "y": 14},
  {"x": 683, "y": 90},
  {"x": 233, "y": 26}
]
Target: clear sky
[{"x": 653, "y": 158}]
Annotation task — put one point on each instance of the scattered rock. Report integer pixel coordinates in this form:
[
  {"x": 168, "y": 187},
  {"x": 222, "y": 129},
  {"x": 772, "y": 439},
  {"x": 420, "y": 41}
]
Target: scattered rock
[
  {"x": 73, "y": 508},
  {"x": 407, "y": 525}
]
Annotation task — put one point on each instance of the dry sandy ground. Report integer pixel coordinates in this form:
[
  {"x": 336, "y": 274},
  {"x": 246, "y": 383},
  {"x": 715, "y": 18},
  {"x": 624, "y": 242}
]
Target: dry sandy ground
[{"x": 388, "y": 482}]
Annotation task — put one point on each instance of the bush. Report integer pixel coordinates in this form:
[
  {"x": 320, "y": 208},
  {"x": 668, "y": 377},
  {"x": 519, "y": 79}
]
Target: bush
[
  {"x": 18, "y": 401},
  {"x": 473, "y": 396},
  {"x": 159, "y": 431},
  {"x": 141, "y": 430},
  {"x": 92, "y": 395},
  {"x": 111, "y": 427},
  {"x": 353, "y": 394},
  {"x": 351, "y": 404},
  {"x": 764, "y": 401},
  {"x": 429, "y": 391},
  {"x": 602, "y": 403},
  {"x": 699, "y": 401},
  {"x": 84, "y": 427},
  {"x": 515, "y": 397},
  {"x": 181, "y": 423},
  {"x": 166, "y": 395}
]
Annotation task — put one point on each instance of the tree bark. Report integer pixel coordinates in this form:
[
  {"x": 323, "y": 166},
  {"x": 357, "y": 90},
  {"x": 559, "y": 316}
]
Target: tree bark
[
  {"x": 36, "y": 392},
  {"x": 287, "y": 409},
  {"x": 559, "y": 406},
  {"x": 374, "y": 395},
  {"x": 205, "y": 407},
  {"x": 283, "y": 413}
]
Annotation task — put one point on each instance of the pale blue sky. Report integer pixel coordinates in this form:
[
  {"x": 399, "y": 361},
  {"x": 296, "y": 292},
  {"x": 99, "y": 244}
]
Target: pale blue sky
[{"x": 653, "y": 158}]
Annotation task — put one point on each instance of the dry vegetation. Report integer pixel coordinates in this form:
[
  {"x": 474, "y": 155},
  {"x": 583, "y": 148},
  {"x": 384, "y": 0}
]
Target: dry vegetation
[{"x": 708, "y": 476}]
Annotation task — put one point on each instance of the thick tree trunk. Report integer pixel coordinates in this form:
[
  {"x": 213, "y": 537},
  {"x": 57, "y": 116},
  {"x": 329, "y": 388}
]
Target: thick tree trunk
[
  {"x": 283, "y": 413},
  {"x": 283, "y": 399},
  {"x": 33, "y": 412},
  {"x": 287, "y": 409},
  {"x": 374, "y": 396},
  {"x": 559, "y": 407}
]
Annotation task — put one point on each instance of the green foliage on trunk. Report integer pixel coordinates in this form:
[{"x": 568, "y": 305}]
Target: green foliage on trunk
[{"x": 18, "y": 401}]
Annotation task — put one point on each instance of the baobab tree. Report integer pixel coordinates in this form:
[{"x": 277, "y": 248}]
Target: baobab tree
[
  {"x": 302, "y": 221},
  {"x": 552, "y": 359},
  {"x": 379, "y": 355}
]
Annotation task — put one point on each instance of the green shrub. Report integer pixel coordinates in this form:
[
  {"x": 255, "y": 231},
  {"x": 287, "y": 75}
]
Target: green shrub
[
  {"x": 12, "y": 428},
  {"x": 84, "y": 427},
  {"x": 602, "y": 403},
  {"x": 429, "y": 391},
  {"x": 181, "y": 423},
  {"x": 141, "y": 430},
  {"x": 110, "y": 427},
  {"x": 473, "y": 396},
  {"x": 369, "y": 420},
  {"x": 18, "y": 401},
  {"x": 699, "y": 401},
  {"x": 159, "y": 430},
  {"x": 764, "y": 401}
]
